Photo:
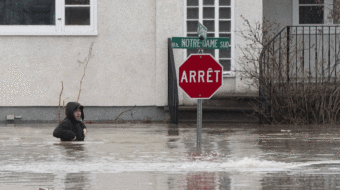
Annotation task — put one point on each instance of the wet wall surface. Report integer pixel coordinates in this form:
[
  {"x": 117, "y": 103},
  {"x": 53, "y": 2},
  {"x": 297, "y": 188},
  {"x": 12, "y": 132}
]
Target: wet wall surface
[{"x": 165, "y": 156}]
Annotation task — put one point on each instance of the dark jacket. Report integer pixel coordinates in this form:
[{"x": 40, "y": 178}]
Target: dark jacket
[{"x": 70, "y": 127}]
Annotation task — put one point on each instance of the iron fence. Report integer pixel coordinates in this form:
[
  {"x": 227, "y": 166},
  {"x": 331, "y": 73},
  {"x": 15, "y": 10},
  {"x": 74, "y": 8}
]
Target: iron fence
[{"x": 296, "y": 57}]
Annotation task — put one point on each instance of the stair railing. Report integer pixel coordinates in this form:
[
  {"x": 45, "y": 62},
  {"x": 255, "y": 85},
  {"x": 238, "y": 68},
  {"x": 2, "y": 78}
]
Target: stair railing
[{"x": 172, "y": 86}]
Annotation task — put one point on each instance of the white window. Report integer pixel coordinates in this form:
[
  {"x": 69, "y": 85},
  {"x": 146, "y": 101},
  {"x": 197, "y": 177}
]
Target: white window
[
  {"x": 217, "y": 16},
  {"x": 48, "y": 17},
  {"x": 313, "y": 12}
]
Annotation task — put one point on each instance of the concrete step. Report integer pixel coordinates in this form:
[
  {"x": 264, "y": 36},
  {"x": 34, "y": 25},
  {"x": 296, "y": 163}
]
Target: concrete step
[
  {"x": 220, "y": 110},
  {"x": 212, "y": 109},
  {"x": 217, "y": 114},
  {"x": 240, "y": 102}
]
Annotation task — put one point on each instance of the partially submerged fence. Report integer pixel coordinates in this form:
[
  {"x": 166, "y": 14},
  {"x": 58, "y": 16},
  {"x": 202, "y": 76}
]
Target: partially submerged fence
[{"x": 299, "y": 60}]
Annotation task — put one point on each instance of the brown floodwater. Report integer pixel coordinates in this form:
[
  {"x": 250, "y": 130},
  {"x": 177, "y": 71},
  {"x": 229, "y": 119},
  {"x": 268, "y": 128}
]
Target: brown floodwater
[{"x": 165, "y": 156}]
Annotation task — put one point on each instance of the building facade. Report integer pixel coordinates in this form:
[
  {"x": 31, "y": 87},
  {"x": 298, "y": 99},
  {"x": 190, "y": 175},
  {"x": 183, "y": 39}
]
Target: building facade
[{"x": 111, "y": 55}]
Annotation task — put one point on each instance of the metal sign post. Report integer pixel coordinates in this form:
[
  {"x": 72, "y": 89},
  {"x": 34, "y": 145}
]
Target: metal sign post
[
  {"x": 199, "y": 122},
  {"x": 199, "y": 114}
]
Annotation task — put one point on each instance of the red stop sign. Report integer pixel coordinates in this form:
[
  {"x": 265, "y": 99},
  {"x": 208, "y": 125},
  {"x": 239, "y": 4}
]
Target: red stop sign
[{"x": 200, "y": 76}]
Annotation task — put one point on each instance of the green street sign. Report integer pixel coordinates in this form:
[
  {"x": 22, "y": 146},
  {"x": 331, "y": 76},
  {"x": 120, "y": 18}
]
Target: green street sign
[
  {"x": 194, "y": 43},
  {"x": 202, "y": 31}
]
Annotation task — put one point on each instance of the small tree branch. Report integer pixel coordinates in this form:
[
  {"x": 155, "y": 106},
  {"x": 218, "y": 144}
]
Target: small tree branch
[
  {"x": 64, "y": 106},
  {"x": 87, "y": 60},
  {"x": 123, "y": 112},
  {"x": 62, "y": 88}
]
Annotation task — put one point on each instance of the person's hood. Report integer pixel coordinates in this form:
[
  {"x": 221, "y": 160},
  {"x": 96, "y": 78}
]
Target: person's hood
[{"x": 70, "y": 107}]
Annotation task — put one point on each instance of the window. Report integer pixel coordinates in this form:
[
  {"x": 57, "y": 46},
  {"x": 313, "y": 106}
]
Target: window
[
  {"x": 48, "y": 17},
  {"x": 313, "y": 12},
  {"x": 217, "y": 16}
]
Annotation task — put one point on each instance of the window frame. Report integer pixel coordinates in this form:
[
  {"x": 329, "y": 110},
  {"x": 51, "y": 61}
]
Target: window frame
[
  {"x": 328, "y": 8},
  {"x": 59, "y": 29},
  {"x": 200, "y": 6}
]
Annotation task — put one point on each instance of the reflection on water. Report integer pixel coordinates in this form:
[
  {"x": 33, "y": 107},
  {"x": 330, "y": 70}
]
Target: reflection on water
[
  {"x": 72, "y": 151},
  {"x": 75, "y": 152},
  {"x": 24, "y": 178},
  {"x": 160, "y": 156},
  {"x": 173, "y": 130},
  {"x": 202, "y": 180},
  {"x": 78, "y": 181},
  {"x": 301, "y": 182}
]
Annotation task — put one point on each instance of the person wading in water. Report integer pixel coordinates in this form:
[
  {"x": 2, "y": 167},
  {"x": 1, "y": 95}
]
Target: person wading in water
[{"x": 72, "y": 128}]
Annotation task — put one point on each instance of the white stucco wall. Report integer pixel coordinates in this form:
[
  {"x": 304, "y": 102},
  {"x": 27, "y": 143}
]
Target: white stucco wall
[
  {"x": 169, "y": 23},
  {"x": 253, "y": 11},
  {"x": 128, "y": 67},
  {"x": 278, "y": 11}
]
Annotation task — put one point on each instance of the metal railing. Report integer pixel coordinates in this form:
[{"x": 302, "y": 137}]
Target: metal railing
[
  {"x": 296, "y": 56},
  {"x": 172, "y": 86}
]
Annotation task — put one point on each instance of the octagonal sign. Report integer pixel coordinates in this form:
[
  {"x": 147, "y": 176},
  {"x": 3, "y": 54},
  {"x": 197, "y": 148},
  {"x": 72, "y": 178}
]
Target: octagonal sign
[{"x": 200, "y": 76}]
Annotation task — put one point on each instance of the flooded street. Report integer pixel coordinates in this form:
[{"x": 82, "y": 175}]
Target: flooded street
[{"x": 163, "y": 156}]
